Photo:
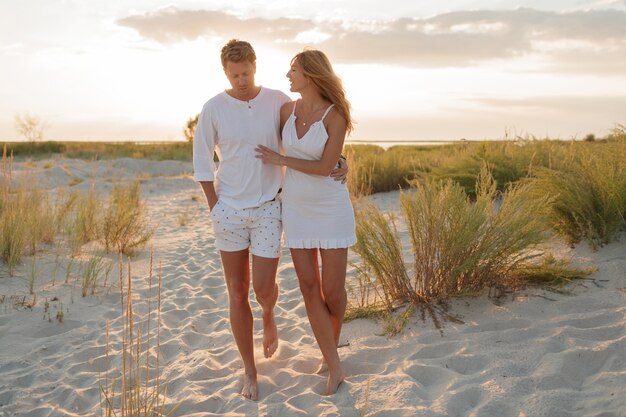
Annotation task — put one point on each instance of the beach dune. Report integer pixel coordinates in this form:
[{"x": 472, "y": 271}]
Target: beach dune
[{"x": 527, "y": 353}]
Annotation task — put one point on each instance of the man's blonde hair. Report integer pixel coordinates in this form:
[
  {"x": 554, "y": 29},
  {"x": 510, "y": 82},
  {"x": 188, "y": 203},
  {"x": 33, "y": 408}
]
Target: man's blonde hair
[{"x": 237, "y": 51}]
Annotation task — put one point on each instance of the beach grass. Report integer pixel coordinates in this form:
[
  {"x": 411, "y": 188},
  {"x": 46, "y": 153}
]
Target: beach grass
[
  {"x": 31, "y": 215},
  {"x": 13, "y": 234},
  {"x": 589, "y": 185},
  {"x": 139, "y": 391},
  {"x": 125, "y": 225},
  {"x": 85, "y": 222},
  {"x": 374, "y": 169},
  {"x": 158, "y": 151},
  {"x": 381, "y": 251},
  {"x": 459, "y": 245},
  {"x": 508, "y": 161},
  {"x": 21, "y": 212},
  {"x": 93, "y": 268}
]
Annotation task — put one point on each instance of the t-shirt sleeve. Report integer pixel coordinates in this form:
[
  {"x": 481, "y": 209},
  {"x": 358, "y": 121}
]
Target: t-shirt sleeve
[{"x": 204, "y": 147}]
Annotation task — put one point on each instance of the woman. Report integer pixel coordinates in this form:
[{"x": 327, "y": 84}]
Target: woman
[{"x": 316, "y": 210}]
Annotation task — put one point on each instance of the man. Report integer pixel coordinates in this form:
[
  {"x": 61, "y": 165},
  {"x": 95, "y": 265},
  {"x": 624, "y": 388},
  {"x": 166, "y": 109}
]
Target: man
[{"x": 242, "y": 196}]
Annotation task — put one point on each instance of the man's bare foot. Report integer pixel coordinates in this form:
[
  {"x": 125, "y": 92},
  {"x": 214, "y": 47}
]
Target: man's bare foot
[
  {"x": 270, "y": 336},
  {"x": 249, "y": 389},
  {"x": 333, "y": 383},
  {"x": 323, "y": 368}
]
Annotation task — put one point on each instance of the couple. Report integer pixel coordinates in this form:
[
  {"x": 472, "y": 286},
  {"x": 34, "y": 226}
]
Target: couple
[{"x": 245, "y": 126}]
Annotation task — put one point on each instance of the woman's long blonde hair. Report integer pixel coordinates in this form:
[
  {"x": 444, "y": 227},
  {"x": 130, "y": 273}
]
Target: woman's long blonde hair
[{"x": 317, "y": 68}]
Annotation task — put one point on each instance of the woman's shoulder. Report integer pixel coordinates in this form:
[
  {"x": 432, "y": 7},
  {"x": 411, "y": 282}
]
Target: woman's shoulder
[
  {"x": 285, "y": 112},
  {"x": 334, "y": 116},
  {"x": 287, "y": 107}
]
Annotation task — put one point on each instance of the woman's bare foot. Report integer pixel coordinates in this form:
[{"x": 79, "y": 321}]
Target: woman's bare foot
[
  {"x": 333, "y": 383},
  {"x": 270, "y": 336},
  {"x": 249, "y": 389}
]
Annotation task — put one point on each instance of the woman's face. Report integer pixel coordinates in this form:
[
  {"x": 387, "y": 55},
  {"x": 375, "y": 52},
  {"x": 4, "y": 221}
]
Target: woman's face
[{"x": 297, "y": 80}]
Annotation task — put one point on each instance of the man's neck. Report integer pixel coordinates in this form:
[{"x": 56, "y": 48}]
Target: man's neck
[{"x": 249, "y": 95}]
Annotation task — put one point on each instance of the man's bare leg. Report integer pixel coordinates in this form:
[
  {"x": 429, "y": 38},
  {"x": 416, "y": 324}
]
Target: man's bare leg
[
  {"x": 237, "y": 275},
  {"x": 266, "y": 291}
]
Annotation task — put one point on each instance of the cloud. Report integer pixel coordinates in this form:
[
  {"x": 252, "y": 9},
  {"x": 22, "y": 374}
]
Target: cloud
[
  {"x": 171, "y": 24},
  {"x": 452, "y": 39}
]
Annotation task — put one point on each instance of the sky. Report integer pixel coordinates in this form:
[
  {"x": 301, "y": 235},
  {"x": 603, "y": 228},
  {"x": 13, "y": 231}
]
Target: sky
[{"x": 413, "y": 70}]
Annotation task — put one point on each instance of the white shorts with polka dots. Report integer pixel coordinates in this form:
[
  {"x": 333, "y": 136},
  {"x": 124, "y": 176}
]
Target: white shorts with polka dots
[{"x": 257, "y": 228}]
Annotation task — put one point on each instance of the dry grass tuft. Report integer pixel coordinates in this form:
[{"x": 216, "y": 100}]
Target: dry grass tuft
[
  {"x": 459, "y": 246},
  {"x": 125, "y": 227},
  {"x": 141, "y": 391}
]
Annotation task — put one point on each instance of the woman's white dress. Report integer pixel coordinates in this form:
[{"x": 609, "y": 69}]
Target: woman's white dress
[{"x": 316, "y": 210}]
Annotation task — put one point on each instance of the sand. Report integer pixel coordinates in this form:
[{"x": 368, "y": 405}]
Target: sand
[{"x": 527, "y": 353}]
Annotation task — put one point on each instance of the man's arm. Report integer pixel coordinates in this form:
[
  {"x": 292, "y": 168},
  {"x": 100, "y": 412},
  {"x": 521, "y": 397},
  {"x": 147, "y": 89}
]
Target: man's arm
[
  {"x": 203, "y": 150},
  {"x": 209, "y": 193},
  {"x": 340, "y": 173}
]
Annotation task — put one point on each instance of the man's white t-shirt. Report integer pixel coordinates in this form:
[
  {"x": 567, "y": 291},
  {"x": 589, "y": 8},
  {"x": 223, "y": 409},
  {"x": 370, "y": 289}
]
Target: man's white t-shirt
[{"x": 233, "y": 128}]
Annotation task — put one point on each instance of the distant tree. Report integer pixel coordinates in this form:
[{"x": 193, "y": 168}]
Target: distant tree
[
  {"x": 590, "y": 138},
  {"x": 31, "y": 127},
  {"x": 190, "y": 128}
]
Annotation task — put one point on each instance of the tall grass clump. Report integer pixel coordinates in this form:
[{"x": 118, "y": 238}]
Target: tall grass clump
[
  {"x": 139, "y": 390},
  {"x": 25, "y": 216},
  {"x": 12, "y": 231},
  {"x": 589, "y": 186},
  {"x": 38, "y": 215},
  {"x": 85, "y": 220},
  {"x": 125, "y": 227},
  {"x": 458, "y": 246},
  {"x": 63, "y": 209},
  {"x": 91, "y": 270},
  {"x": 381, "y": 251}
]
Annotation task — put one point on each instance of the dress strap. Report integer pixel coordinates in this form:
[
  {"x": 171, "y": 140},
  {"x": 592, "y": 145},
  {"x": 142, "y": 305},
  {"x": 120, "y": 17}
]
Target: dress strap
[
  {"x": 326, "y": 112},
  {"x": 293, "y": 111}
]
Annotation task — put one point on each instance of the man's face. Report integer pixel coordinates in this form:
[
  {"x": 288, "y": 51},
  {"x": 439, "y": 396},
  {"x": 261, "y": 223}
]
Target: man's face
[{"x": 241, "y": 77}]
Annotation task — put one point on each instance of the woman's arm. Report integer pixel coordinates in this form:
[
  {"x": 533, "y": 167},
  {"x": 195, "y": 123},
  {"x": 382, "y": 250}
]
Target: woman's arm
[{"x": 336, "y": 128}]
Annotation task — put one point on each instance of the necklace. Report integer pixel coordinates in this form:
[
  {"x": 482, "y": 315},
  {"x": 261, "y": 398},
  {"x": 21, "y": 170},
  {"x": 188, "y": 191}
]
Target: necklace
[{"x": 313, "y": 112}]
